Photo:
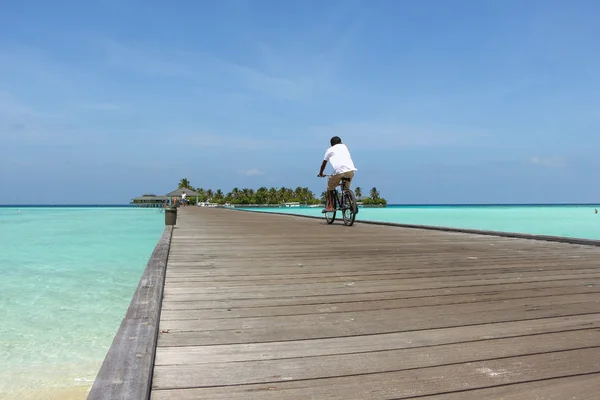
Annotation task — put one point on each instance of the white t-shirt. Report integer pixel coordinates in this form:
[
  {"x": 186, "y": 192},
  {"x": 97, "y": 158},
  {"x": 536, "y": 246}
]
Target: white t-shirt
[
  {"x": 340, "y": 159},
  {"x": 183, "y": 196}
]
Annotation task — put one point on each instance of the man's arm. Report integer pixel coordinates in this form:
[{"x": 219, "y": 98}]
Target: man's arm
[{"x": 323, "y": 165}]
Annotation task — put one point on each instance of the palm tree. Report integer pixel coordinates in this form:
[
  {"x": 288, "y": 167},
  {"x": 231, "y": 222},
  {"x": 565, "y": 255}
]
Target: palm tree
[
  {"x": 374, "y": 194},
  {"x": 246, "y": 196},
  {"x": 284, "y": 194},
  {"x": 324, "y": 197},
  {"x": 262, "y": 196},
  {"x": 358, "y": 192},
  {"x": 298, "y": 194},
  {"x": 185, "y": 183},
  {"x": 306, "y": 196},
  {"x": 273, "y": 196}
]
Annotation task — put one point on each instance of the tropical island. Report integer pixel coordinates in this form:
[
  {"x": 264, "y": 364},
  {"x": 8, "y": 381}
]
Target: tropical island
[{"x": 274, "y": 196}]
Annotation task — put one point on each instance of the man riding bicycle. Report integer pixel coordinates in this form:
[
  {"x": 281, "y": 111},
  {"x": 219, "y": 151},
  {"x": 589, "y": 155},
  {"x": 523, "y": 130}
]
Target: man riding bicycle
[{"x": 343, "y": 167}]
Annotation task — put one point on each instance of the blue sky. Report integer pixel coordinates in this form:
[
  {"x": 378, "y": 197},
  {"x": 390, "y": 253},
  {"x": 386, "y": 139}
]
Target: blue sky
[{"x": 438, "y": 101}]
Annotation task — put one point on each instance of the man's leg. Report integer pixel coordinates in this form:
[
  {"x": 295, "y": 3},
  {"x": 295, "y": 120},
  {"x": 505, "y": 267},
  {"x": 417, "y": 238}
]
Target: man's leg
[
  {"x": 330, "y": 200},
  {"x": 329, "y": 206},
  {"x": 332, "y": 183}
]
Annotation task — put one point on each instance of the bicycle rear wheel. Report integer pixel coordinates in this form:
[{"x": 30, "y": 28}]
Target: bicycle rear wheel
[{"x": 350, "y": 208}]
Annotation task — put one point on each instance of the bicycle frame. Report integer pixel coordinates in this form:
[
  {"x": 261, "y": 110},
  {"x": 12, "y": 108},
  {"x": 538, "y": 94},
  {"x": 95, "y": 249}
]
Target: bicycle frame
[{"x": 339, "y": 199}]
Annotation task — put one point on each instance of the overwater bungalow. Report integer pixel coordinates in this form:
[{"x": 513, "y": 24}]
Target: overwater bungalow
[
  {"x": 174, "y": 197},
  {"x": 150, "y": 200}
]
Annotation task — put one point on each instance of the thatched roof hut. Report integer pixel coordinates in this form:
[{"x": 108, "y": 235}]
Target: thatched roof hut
[{"x": 188, "y": 192}]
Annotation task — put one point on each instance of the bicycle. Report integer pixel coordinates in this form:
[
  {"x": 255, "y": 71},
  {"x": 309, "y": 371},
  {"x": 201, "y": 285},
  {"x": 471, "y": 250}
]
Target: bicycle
[{"x": 346, "y": 202}]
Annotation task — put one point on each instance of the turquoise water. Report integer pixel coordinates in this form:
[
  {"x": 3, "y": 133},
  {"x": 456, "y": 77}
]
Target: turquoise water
[
  {"x": 68, "y": 275},
  {"x": 578, "y": 221}
]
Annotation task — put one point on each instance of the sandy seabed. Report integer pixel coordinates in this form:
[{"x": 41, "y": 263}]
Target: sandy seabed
[{"x": 50, "y": 393}]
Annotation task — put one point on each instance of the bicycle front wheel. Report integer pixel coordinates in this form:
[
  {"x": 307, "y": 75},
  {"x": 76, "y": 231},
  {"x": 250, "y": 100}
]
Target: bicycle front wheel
[{"x": 350, "y": 208}]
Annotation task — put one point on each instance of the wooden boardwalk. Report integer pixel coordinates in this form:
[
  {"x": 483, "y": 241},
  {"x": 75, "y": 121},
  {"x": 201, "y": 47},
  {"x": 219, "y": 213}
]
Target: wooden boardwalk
[{"x": 260, "y": 306}]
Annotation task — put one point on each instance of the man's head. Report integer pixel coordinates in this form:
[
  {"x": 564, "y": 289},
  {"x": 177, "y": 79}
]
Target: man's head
[{"x": 335, "y": 140}]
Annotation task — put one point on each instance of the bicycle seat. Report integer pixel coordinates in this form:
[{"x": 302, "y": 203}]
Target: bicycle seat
[{"x": 344, "y": 179}]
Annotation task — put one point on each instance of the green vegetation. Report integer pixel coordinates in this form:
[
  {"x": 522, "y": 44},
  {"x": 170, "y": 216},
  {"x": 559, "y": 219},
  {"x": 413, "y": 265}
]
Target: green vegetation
[
  {"x": 374, "y": 199},
  {"x": 273, "y": 196},
  {"x": 184, "y": 183}
]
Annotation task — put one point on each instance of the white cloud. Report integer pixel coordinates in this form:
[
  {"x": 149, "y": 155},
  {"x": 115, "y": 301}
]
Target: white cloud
[
  {"x": 547, "y": 162},
  {"x": 146, "y": 60},
  {"x": 13, "y": 106},
  {"x": 39, "y": 68},
  {"x": 252, "y": 172},
  {"x": 32, "y": 118},
  {"x": 280, "y": 86},
  {"x": 377, "y": 135},
  {"x": 22, "y": 122},
  {"x": 360, "y": 135},
  {"x": 202, "y": 68}
]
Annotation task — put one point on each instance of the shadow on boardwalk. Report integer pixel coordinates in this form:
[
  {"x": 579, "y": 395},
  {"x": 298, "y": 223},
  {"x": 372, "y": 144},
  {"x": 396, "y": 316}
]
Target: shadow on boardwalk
[{"x": 260, "y": 306}]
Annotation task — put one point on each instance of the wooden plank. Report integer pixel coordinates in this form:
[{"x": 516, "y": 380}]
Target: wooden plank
[
  {"x": 375, "y": 305},
  {"x": 531, "y": 287},
  {"x": 582, "y": 387},
  {"x": 199, "y": 278},
  {"x": 216, "y": 294},
  {"x": 369, "y": 343},
  {"x": 126, "y": 372},
  {"x": 364, "y": 325},
  {"x": 407, "y": 383},
  {"x": 200, "y": 275},
  {"x": 360, "y": 363},
  {"x": 392, "y": 311},
  {"x": 415, "y": 282}
]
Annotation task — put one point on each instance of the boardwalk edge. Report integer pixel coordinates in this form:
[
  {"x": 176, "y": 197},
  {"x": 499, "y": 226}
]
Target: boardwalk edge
[
  {"x": 126, "y": 372},
  {"x": 513, "y": 235}
]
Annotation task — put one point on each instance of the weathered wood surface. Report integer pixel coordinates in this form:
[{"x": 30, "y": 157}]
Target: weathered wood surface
[
  {"x": 126, "y": 372},
  {"x": 518, "y": 235},
  {"x": 262, "y": 306}
]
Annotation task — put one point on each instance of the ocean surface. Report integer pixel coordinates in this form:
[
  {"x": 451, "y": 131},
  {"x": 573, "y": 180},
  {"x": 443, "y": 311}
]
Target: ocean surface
[
  {"x": 68, "y": 275},
  {"x": 578, "y": 221}
]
